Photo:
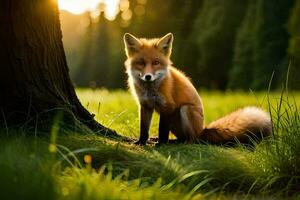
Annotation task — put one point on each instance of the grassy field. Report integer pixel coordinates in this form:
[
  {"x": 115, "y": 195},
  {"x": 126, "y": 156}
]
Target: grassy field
[{"x": 82, "y": 165}]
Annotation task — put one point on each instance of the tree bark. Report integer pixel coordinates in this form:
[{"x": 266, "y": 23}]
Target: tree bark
[{"x": 34, "y": 76}]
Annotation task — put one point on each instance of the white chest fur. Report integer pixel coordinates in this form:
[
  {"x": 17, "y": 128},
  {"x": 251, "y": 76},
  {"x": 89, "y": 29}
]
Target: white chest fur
[{"x": 149, "y": 95}]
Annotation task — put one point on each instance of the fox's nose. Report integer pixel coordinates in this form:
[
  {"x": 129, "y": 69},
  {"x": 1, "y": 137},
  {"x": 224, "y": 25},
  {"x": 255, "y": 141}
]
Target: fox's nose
[{"x": 148, "y": 77}]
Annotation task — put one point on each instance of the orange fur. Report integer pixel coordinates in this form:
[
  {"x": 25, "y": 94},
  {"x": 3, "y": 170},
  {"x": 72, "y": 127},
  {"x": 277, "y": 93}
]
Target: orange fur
[{"x": 157, "y": 85}]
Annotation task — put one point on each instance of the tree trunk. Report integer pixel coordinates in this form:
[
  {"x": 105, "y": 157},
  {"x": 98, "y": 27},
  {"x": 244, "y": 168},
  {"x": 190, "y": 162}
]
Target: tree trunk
[{"x": 34, "y": 76}]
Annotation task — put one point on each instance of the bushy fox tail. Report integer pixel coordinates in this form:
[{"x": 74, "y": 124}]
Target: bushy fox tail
[{"x": 246, "y": 124}]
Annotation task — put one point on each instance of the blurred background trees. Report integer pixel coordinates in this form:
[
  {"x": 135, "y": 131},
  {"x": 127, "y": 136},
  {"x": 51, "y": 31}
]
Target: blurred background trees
[
  {"x": 294, "y": 45},
  {"x": 221, "y": 45}
]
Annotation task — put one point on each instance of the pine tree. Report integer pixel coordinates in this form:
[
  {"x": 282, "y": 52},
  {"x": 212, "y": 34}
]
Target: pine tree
[
  {"x": 294, "y": 46},
  {"x": 241, "y": 73},
  {"x": 214, "y": 34},
  {"x": 270, "y": 41}
]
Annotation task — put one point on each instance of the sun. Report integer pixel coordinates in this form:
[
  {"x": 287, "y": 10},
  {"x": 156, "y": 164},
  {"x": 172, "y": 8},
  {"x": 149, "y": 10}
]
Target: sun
[
  {"x": 77, "y": 6},
  {"x": 81, "y": 6}
]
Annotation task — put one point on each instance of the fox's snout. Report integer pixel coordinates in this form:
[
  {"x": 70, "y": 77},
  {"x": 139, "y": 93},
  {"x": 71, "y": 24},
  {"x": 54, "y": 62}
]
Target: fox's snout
[
  {"x": 148, "y": 74},
  {"x": 148, "y": 77}
]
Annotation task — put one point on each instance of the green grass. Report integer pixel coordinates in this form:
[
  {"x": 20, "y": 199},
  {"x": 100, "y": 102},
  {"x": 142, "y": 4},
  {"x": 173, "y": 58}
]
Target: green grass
[
  {"x": 118, "y": 109},
  {"x": 41, "y": 168}
]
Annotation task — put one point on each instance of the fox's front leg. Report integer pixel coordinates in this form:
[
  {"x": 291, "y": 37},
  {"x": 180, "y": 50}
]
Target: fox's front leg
[
  {"x": 145, "y": 121},
  {"x": 164, "y": 129}
]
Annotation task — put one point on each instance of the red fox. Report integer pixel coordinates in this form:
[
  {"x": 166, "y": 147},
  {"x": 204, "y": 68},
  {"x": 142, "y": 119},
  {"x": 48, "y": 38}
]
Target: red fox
[{"x": 159, "y": 86}]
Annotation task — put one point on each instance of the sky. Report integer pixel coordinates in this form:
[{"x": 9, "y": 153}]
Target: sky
[{"x": 80, "y": 6}]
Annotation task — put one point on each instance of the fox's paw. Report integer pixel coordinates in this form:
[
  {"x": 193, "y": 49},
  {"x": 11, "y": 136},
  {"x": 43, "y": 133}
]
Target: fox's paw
[
  {"x": 154, "y": 139},
  {"x": 141, "y": 143}
]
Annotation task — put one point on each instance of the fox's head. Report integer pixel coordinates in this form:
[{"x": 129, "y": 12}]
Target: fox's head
[{"x": 148, "y": 59}]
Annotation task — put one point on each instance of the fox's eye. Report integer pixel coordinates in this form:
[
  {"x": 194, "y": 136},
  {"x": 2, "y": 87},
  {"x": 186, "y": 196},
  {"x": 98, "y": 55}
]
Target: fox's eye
[
  {"x": 155, "y": 62},
  {"x": 141, "y": 62}
]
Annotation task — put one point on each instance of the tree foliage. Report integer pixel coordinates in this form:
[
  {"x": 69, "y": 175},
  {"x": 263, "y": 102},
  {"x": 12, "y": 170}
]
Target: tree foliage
[
  {"x": 271, "y": 41},
  {"x": 214, "y": 33},
  {"x": 241, "y": 73},
  {"x": 294, "y": 45},
  {"x": 261, "y": 44}
]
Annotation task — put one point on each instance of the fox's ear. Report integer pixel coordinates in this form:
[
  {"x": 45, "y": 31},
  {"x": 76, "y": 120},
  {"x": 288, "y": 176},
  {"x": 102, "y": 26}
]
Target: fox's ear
[
  {"x": 132, "y": 44},
  {"x": 165, "y": 44}
]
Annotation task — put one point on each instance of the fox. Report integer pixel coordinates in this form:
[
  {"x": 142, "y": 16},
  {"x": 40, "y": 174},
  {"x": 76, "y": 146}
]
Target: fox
[{"x": 158, "y": 86}]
